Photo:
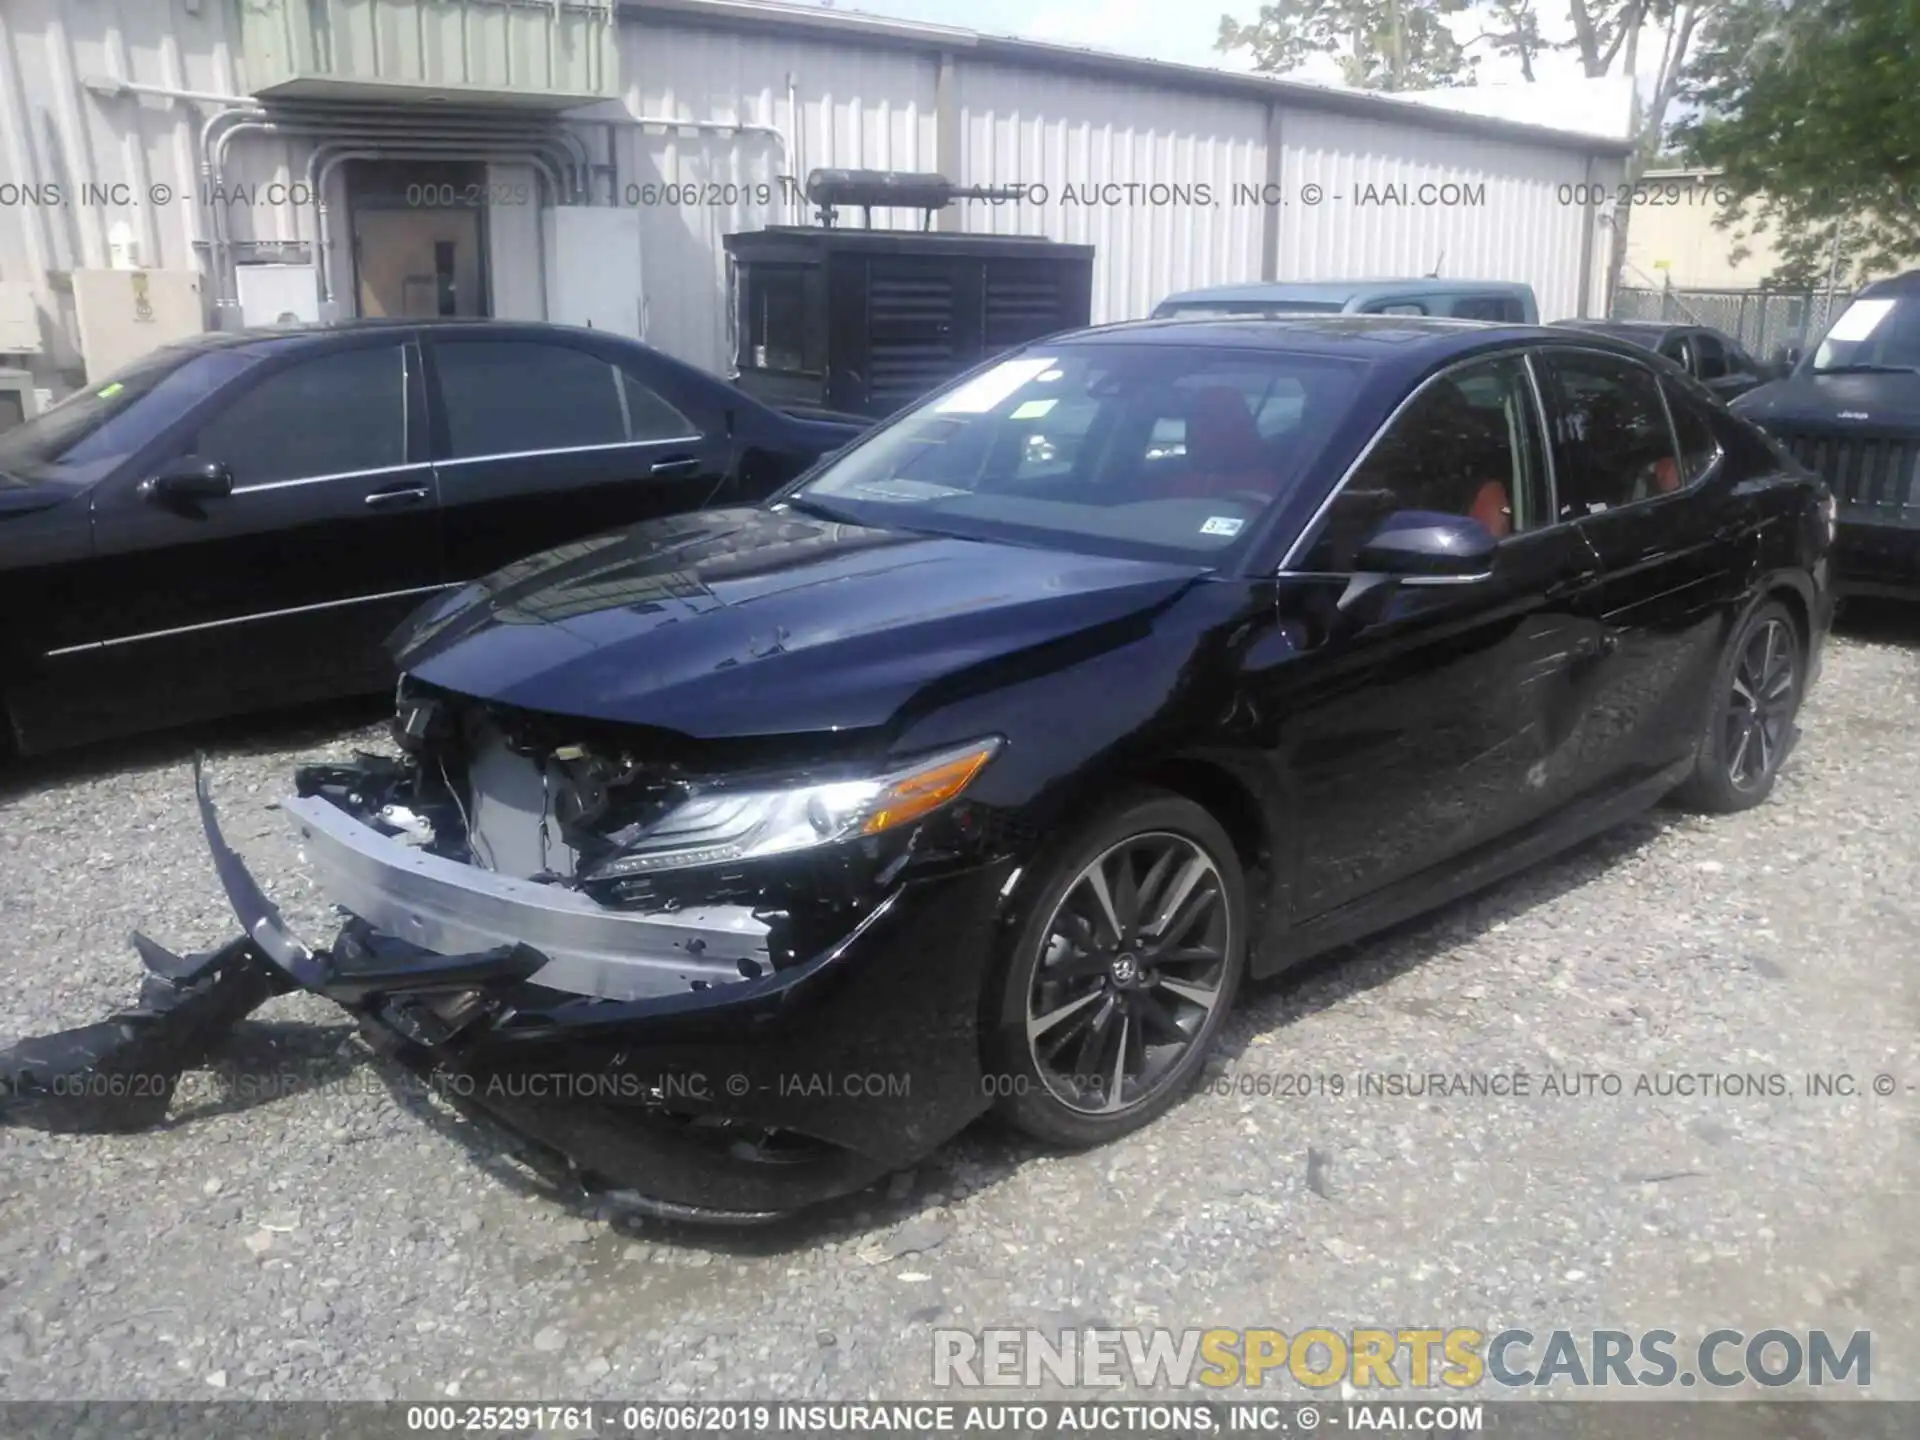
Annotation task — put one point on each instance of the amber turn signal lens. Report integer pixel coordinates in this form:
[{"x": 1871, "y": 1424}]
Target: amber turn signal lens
[{"x": 922, "y": 791}]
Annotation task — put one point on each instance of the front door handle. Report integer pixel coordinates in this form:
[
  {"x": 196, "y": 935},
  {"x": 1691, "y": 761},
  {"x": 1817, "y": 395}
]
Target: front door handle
[
  {"x": 684, "y": 465},
  {"x": 398, "y": 495}
]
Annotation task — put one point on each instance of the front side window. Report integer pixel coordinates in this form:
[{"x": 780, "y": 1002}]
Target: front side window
[
  {"x": 336, "y": 414},
  {"x": 1612, "y": 444},
  {"x": 1468, "y": 444},
  {"x": 93, "y": 431},
  {"x": 1118, "y": 448},
  {"x": 1397, "y": 307},
  {"x": 1870, "y": 335},
  {"x": 507, "y": 397}
]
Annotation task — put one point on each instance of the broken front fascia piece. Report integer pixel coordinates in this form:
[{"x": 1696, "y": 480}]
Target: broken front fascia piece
[{"x": 120, "y": 1074}]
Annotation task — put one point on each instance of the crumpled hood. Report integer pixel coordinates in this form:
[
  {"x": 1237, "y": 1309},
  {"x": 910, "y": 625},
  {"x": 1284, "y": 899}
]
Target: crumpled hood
[
  {"x": 1880, "y": 402},
  {"x": 756, "y": 622}
]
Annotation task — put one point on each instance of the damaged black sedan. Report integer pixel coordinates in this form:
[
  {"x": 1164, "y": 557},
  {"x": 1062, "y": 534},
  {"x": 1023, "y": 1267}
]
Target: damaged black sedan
[{"x": 736, "y": 859}]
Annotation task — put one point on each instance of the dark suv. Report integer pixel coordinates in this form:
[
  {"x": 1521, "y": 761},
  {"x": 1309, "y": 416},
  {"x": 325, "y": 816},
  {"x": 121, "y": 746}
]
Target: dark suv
[{"x": 1851, "y": 411}]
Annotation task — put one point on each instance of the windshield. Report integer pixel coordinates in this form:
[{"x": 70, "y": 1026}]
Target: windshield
[
  {"x": 86, "y": 435},
  {"x": 1157, "y": 451},
  {"x": 1876, "y": 334},
  {"x": 1188, "y": 310}
]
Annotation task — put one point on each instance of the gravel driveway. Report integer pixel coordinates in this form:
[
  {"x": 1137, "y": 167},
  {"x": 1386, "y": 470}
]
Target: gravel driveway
[{"x": 339, "y": 1237}]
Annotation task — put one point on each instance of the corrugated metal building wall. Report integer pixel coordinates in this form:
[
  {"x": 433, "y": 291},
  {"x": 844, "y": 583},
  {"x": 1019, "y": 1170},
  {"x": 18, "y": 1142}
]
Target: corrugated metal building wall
[{"x": 830, "y": 90}]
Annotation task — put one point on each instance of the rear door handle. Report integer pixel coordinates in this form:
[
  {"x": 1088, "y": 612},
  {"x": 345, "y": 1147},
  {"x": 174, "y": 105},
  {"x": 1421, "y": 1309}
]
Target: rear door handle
[
  {"x": 398, "y": 495},
  {"x": 684, "y": 465}
]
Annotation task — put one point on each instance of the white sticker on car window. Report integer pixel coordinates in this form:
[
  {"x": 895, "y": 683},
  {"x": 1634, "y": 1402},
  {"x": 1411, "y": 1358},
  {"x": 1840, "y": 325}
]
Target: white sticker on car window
[
  {"x": 983, "y": 392},
  {"x": 1032, "y": 409},
  {"x": 1222, "y": 525},
  {"x": 1860, "y": 321}
]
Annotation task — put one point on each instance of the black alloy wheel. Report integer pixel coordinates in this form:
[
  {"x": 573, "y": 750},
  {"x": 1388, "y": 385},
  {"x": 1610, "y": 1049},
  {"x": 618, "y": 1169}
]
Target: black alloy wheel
[
  {"x": 1123, "y": 974},
  {"x": 1759, "y": 710},
  {"x": 1756, "y": 699}
]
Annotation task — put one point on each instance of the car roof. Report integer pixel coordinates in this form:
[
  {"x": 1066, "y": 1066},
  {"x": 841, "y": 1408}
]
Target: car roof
[
  {"x": 309, "y": 332},
  {"x": 1907, "y": 283},
  {"x": 1388, "y": 342},
  {"x": 1345, "y": 291},
  {"x": 1627, "y": 327}
]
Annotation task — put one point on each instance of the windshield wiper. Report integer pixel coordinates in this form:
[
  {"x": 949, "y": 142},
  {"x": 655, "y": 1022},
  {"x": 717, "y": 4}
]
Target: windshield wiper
[{"x": 1867, "y": 369}]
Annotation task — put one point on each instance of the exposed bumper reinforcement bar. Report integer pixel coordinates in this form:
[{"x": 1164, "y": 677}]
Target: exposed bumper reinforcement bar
[{"x": 450, "y": 908}]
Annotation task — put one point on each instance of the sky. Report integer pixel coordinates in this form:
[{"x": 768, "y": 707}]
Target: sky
[{"x": 1184, "y": 31}]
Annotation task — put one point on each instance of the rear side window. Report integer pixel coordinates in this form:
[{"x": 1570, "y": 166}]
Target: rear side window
[
  {"x": 1612, "y": 445},
  {"x": 506, "y": 397},
  {"x": 649, "y": 414},
  {"x": 1710, "y": 360},
  {"x": 336, "y": 414},
  {"x": 1487, "y": 307},
  {"x": 1699, "y": 446},
  {"x": 1397, "y": 307}
]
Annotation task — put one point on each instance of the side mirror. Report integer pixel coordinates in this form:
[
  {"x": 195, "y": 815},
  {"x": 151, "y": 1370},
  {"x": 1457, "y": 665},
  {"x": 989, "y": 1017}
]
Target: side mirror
[
  {"x": 1420, "y": 544},
  {"x": 1414, "y": 547},
  {"x": 189, "y": 478},
  {"x": 1784, "y": 359}
]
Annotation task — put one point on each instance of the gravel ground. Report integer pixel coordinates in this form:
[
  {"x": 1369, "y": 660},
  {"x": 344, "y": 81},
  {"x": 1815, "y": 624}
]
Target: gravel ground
[{"x": 342, "y": 1239}]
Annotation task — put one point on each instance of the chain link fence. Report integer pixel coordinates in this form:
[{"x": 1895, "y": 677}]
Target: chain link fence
[{"x": 1762, "y": 321}]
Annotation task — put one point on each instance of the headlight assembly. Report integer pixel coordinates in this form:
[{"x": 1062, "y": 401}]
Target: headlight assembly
[{"x": 725, "y": 825}]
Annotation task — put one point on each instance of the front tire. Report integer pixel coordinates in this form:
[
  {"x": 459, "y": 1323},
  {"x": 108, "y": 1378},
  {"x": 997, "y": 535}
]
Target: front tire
[
  {"x": 1750, "y": 725},
  {"x": 1122, "y": 972}
]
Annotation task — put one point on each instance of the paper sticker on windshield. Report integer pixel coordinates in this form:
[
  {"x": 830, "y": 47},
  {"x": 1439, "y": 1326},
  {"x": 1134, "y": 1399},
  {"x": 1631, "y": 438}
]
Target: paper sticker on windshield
[
  {"x": 111, "y": 391},
  {"x": 983, "y": 392},
  {"x": 1222, "y": 525},
  {"x": 1861, "y": 319},
  {"x": 1032, "y": 409}
]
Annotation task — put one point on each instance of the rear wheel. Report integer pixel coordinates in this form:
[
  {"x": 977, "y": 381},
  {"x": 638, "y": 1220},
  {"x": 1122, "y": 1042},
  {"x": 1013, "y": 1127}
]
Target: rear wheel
[
  {"x": 1750, "y": 724},
  {"x": 1122, "y": 974}
]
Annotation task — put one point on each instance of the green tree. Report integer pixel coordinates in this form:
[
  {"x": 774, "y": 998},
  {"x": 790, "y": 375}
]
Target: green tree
[
  {"x": 1379, "y": 44},
  {"x": 1807, "y": 107}
]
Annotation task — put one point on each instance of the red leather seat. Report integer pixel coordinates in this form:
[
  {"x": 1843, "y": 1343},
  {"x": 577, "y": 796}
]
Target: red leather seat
[
  {"x": 1666, "y": 475},
  {"x": 1224, "y": 452},
  {"x": 1493, "y": 508}
]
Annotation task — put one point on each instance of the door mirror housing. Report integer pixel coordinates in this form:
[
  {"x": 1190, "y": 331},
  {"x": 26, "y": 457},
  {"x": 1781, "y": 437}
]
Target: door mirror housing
[
  {"x": 1784, "y": 359},
  {"x": 1419, "y": 544},
  {"x": 189, "y": 478},
  {"x": 1413, "y": 547}
]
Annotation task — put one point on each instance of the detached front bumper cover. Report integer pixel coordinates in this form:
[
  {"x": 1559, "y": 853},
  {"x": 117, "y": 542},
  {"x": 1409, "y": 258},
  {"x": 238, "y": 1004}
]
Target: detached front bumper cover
[
  {"x": 120, "y": 1074},
  {"x": 733, "y": 1141}
]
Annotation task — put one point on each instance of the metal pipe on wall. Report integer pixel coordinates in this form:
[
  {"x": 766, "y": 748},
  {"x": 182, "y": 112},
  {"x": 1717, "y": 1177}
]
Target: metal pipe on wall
[{"x": 439, "y": 122}]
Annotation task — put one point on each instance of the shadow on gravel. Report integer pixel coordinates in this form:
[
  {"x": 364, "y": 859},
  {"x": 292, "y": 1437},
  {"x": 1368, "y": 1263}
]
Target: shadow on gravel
[
  {"x": 263, "y": 1062},
  {"x": 255, "y": 734},
  {"x": 1879, "y": 622}
]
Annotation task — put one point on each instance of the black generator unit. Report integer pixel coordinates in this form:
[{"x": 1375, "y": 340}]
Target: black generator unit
[{"x": 865, "y": 321}]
